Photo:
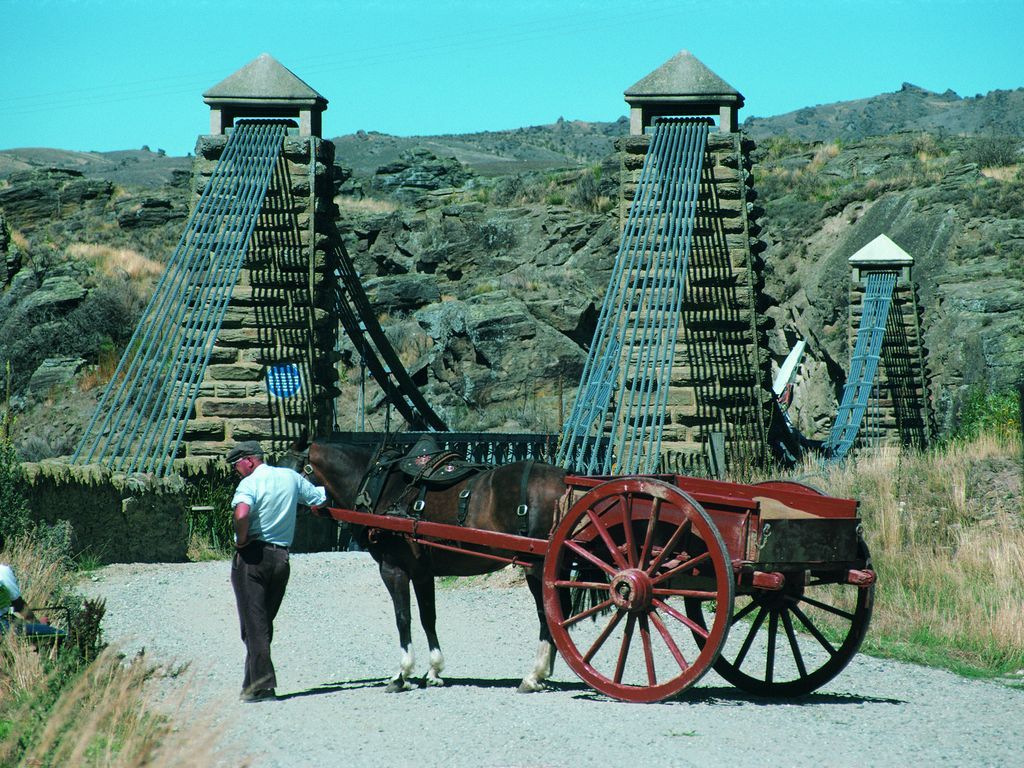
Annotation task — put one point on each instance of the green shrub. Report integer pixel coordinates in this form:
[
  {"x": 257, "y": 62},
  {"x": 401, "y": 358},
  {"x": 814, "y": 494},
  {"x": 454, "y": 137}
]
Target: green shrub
[
  {"x": 992, "y": 151},
  {"x": 984, "y": 410},
  {"x": 586, "y": 193},
  {"x": 210, "y": 528},
  {"x": 14, "y": 509},
  {"x": 508, "y": 190}
]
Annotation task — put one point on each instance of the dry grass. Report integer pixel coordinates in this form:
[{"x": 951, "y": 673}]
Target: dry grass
[
  {"x": 365, "y": 205},
  {"x": 117, "y": 261},
  {"x": 101, "y": 373},
  {"x": 822, "y": 155},
  {"x": 42, "y": 571},
  {"x": 946, "y": 532},
  {"x": 19, "y": 240},
  {"x": 22, "y": 670},
  {"x": 1001, "y": 173},
  {"x": 56, "y": 710},
  {"x": 101, "y": 719}
]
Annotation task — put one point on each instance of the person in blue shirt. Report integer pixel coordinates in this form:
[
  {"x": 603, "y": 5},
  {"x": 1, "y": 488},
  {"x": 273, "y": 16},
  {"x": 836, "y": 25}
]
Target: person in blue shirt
[{"x": 264, "y": 507}]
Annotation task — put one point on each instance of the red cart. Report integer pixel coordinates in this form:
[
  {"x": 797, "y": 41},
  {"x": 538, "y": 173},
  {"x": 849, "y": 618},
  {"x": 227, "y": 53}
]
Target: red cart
[{"x": 770, "y": 584}]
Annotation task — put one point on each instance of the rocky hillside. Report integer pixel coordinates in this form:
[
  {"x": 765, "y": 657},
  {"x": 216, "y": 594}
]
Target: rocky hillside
[
  {"x": 998, "y": 113},
  {"x": 486, "y": 254},
  {"x": 955, "y": 204},
  {"x": 131, "y": 168}
]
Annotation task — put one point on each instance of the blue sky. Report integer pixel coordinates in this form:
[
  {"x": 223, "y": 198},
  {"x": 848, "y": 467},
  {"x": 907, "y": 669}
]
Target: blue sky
[{"x": 119, "y": 74}]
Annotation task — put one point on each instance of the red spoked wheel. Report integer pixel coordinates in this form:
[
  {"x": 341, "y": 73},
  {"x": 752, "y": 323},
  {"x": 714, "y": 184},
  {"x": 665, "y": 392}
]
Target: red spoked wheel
[
  {"x": 792, "y": 641},
  {"x": 637, "y": 547}
]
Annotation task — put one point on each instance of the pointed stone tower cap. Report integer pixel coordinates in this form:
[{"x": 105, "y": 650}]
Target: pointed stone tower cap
[
  {"x": 880, "y": 255},
  {"x": 683, "y": 85},
  {"x": 264, "y": 88},
  {"x": 881, "y": 251}
]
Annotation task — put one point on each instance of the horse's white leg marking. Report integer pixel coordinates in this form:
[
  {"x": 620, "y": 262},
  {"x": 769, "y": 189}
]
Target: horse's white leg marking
[
  {"x": 400, "y": 682},
  {"x": 543, "y": 666},
  {"x": 436, "y": 667}
]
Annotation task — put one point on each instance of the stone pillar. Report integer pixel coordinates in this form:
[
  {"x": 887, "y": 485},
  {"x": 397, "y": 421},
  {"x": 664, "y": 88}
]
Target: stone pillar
[
  {"x": 721, "y": 379},
  {"x": 216, "y": 122},
  {"x": 898, "y": 414},
  {"x": 727, "y": 118},
  {"x": 271, "y": 375}
]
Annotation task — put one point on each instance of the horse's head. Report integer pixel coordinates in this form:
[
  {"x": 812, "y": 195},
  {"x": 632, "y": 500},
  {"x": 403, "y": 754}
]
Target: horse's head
[
  {"x": 338, "y": 467},
  {"x": 297, "y": 457}
]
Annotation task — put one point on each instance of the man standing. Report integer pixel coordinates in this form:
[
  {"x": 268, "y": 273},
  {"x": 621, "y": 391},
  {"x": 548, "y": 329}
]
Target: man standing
[{"x": 264, "y": 516}]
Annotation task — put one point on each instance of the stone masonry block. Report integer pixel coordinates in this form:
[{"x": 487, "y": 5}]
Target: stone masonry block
[
  {"x": 204, "y": 429},
  {"x": 250, "y": 408},
  {"x": 239, "y": 337},
  {"x": 238, "y": 372},
  {"x": 223, "y": 356},
  {"x": 251, "y": 429}
]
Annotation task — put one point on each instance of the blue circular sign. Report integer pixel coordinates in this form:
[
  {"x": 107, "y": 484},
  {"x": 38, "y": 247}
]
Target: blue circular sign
[{"x": 283, "y": 380}]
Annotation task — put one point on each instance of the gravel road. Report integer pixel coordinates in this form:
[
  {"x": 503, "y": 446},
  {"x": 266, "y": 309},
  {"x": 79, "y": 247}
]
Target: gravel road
[{"x": 335, "y": 647}]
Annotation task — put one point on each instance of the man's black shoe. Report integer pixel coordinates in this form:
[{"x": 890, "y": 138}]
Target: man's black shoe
[{"x": 262, "y": 694}]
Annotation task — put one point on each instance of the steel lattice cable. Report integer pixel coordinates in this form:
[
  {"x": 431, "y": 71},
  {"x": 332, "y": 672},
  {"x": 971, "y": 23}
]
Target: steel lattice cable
[
  {"x": 360, "y": 322},
  {"x": 215, "y": 295},
  {"x": 639, "y": 421},
  {"x": 144, "y": 411},
  {"x": 863, "y": 365},
  {"x": 601, "y": 367},
  {"x": 187, "y": 326},
  {"x": 634, "y": 343}
]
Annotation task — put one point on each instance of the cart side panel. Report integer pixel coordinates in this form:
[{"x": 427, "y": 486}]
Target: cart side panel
[
  {"x": 808, "y": 542},
  {"x": 786, "y": 496}
]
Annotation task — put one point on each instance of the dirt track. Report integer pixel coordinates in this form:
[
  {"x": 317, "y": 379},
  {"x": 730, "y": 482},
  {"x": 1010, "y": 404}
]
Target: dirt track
[{"x": 336, "y": 646}]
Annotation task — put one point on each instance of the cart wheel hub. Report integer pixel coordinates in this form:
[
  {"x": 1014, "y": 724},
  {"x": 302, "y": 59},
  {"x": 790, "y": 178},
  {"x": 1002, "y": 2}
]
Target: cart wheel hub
[{"x": 631, "y": 590}]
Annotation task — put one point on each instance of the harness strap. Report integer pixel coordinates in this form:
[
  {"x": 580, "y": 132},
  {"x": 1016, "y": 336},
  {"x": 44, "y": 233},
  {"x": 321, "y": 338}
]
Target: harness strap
[
  {"x": 421, "y": 501},
  {"x": 523, "y": 510},
  {"x": 372, "y": 484},
  {"x": 464, "y": 496}
]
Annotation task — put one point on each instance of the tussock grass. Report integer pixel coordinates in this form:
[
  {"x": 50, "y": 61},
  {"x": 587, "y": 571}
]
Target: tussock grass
[
  {"x": 19, "y": 239},
  {"x": 100, "y": 719},
  {"x": 100, "y": 374},
  {"x": 365, "y": 205},
  {"x": 65, "y": 706},
  {"x": 946, "y": 533},
  {"x": 117, "y": 261},
  {"x": 1002, "y": 172},
  {"x": 822, "y": 155}
]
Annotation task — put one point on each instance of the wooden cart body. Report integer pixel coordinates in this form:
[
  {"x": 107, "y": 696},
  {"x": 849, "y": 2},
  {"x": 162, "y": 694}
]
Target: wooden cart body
[{"x": 672, "y": 564}]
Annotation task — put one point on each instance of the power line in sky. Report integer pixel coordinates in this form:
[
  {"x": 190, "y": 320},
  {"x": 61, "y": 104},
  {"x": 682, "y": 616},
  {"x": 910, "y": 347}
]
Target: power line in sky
[{"x": 494, "y": 38}]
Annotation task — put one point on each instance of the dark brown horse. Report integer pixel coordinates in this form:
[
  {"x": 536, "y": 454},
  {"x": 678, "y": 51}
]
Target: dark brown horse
[{"x": 494, "y": 504}]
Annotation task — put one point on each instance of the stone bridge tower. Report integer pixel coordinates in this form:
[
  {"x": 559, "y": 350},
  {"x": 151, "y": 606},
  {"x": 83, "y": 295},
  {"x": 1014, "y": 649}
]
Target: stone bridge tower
[
  {"x": 271, "y": 374},
  {"x": 720, "y": 389},
  {"x": 898, "y": 412}
]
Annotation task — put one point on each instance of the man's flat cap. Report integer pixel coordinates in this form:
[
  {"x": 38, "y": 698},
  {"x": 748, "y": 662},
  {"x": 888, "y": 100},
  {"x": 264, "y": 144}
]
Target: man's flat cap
[{"x": 241, "y": 450}]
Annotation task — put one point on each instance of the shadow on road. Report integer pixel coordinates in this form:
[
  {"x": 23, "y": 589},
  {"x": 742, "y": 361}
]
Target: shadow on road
[
  {"x": 449, "y": 682},
  {"x": 734, "y": 697},
  {"x": 719, "y": 696},
  {"x": 345, "y": 685}
]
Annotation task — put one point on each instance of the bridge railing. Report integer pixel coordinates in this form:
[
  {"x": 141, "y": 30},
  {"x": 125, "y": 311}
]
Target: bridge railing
[{"x": 482, "y": 447}]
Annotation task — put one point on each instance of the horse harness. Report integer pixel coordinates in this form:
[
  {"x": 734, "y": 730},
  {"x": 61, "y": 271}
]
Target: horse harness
[{"x": 432, "y": 472}]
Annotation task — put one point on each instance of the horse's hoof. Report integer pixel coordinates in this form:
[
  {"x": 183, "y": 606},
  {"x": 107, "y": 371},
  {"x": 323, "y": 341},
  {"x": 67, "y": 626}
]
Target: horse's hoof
[
  {"x": 532, "y": 686},
  {"x": 398, "y": 686},
  {"x": 434, "y": 682}
]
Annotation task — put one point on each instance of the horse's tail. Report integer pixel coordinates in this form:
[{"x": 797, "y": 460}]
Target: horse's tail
[
  {"x": 580, "y": 599},
  {"x": 584, "y": 599}
]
